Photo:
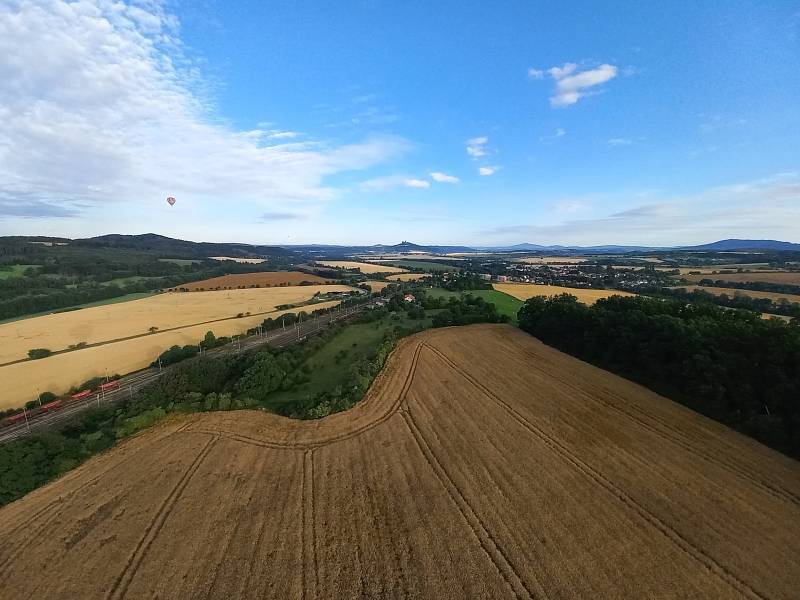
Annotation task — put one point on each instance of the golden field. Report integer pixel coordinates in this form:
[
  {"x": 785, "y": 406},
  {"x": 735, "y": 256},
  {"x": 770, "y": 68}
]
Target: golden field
[
  {"x": 377, "y": 286},
  {"x": 365, "y": 268},
  {"x": 523, "y": 291},
  {"x": 553, "y": 480},
  {"x": 165, "y": 311},
  {"x": 60, "y": 372}
]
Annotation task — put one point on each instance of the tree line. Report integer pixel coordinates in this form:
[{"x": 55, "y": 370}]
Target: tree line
[
  {"x": 731, "y": 366},
  {"x": 738, "y": 301}
]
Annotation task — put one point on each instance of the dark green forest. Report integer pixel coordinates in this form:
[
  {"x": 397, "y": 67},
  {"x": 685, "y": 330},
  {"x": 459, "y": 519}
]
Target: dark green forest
[
  {"x": 731, "y": 366},
  {"x": 738, "y": 301}
]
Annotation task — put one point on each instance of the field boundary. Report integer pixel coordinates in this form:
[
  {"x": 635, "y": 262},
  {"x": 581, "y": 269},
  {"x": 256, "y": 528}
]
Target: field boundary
[
  {"x": 310, "y": 569},
  {"x": 312, "y": 445}
]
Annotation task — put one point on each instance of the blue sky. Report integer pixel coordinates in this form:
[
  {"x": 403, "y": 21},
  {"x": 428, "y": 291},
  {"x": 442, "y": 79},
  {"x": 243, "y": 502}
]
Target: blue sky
[{"x": 364, "y": 122}]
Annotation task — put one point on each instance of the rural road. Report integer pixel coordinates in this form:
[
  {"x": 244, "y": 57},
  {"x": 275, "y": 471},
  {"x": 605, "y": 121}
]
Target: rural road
[{"x": 133, "y": 382}]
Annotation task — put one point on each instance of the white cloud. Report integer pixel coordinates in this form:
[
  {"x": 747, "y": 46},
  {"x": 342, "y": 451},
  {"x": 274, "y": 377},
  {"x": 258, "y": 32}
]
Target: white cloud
[
  {"x": 276, "y": 134},
  {"x": 570, "y": 205},
  {"x": 417, "y": 183},
  {"x": 380, "y": 184},
  {"x": 535, "y": 73},
  {"x": 486, "y": 171},
  {"x": 762, "y": 209},
  {"x": 444, "y": 178},
  {"x": 476, "y": 147},
  {"x": 95, "y": 108},
  {"x": 572, "y": 85},
  {"x": 620, "y": 142}
]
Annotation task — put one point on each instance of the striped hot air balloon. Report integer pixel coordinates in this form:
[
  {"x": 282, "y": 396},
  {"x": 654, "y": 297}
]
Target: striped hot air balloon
[{"x": 171, "y": 201}]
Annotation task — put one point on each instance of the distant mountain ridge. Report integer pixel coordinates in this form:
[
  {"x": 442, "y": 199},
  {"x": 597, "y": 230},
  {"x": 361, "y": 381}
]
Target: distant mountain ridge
[
  {"x": 734, "y": 244},
  {"x": 169, "y": 246}
]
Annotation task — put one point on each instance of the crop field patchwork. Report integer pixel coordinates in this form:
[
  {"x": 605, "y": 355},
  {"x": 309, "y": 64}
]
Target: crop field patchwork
[
  {"x": 555, "y": 480},
  {"x": 428, "y": 266},
  {"x": 266, "y": 279},
  {"x": 366, "y": 268},
  {"x": 119, "y": 337},
  {"x": 163, "y": 311},
  {"x": 523, "y": 291}
]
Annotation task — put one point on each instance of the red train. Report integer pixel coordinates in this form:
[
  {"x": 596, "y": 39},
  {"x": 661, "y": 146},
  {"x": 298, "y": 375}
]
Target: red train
[{"x": 58, "y": 403}]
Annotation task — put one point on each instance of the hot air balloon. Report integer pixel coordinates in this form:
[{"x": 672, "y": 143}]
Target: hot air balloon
[{"x": 171, "y": 201}]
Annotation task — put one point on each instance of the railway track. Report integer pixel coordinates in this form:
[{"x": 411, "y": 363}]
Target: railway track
[{"x": 133, "y": 382}]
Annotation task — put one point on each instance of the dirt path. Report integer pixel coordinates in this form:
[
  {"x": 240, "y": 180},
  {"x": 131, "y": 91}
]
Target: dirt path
[{"x": 482, "y": 464}]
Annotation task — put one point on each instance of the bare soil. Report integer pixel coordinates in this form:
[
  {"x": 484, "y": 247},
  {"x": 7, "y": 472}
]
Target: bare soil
[{"x": 481, "y": 464}]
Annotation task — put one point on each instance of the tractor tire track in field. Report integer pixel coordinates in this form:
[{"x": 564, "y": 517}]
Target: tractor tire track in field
[
  {"x": 461, "y": 485},
  {"x": 52, "y": 510},
  {"x": 120, "y": 587},
  {"x": 677, "y": 437},
  {"x": 493, "y": 550},
  {"x": 310, "y": 568},
  {"x": 669, "y": 532}
]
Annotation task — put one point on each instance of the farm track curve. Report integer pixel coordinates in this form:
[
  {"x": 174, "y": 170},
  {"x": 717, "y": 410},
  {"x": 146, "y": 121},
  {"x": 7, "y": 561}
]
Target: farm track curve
[{"x": 481, "y": 464}]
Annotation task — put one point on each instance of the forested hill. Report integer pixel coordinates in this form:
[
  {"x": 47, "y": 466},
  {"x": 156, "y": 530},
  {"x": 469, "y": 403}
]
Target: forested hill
[{"x": 183, "y": 248}]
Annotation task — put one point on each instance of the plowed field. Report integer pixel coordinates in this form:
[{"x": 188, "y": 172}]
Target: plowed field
[{"x": 482, "y": 464}]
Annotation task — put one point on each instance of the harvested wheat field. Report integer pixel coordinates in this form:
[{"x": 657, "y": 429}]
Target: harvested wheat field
[
  {"x": 784, "y": 277},
  {"x": 408, "y": 276},
  {"x": 58, "y": 373},
  {"x": 774, "y": 296},
  {"x": 366, "y": 268},
  {"x": 523, "y": 291},
  {"x": 110, "y": 322},
  {"x": 377, "y": 286},
  {"x": 556, "y": 480},
  {"x": 266, "y": 279}
]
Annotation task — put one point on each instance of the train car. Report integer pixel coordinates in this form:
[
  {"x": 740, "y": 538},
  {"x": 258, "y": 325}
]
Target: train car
[
  {"x": 81, "y": 395},
  {"x": 14, "y": 419},
  {"x": 111, "y": 385},
  {"x": 55, "y": 404}
]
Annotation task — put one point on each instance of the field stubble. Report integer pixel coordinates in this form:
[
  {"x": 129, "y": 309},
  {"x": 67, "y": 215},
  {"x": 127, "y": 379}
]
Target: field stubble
[{"x": 556, "y": 480}]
